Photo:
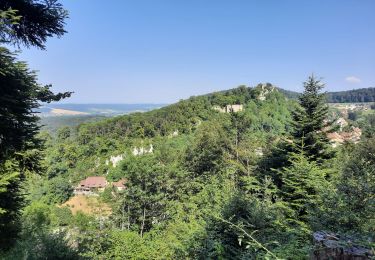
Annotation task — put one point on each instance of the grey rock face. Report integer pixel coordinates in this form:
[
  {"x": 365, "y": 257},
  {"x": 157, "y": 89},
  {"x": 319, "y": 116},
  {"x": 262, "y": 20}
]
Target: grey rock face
[{"x": 329, "y": 246}]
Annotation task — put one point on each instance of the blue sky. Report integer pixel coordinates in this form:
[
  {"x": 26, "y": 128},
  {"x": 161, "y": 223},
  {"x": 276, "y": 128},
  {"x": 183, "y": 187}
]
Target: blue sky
[{"x": 160, "y": 51}]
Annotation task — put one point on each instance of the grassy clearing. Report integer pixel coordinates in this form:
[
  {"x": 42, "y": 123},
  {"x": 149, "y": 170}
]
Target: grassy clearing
[{"x": 88, "y": 205}]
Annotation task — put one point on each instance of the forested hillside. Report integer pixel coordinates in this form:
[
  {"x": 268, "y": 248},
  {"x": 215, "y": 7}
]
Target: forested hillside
[
  {"x": 352, "y": 96},
  {"x": 183, "y": 116},
  {"x": 52, "y": 123},
  {"x": 248, "y": 173},
  {"x": 348, "y": 96},
  {"x": 214, "y": 184}
]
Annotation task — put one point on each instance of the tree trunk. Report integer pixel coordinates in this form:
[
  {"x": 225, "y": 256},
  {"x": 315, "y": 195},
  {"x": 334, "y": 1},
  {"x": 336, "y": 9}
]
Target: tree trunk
[
  {"x": 122, "y": 219},
  {"x": 143, "y": 221},
  {"x": 128, "y": 218},
  {"x": 236, "y": 142}
]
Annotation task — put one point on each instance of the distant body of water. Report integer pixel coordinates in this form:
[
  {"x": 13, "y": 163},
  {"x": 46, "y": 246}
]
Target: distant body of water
[{"x": 95, "y": 109}]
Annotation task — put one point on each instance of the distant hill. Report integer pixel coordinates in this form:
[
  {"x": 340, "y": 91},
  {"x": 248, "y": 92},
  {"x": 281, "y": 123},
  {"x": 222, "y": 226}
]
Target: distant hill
[
  {"x": 349, "y": 96},
  {"x": 186, "y": 115},
  {"x": 194, "y": 109},
  {"x": 54, "y": 116},
  {"x": 352, "y": 96}
]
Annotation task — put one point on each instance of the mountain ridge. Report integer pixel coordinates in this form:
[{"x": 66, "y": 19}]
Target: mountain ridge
[{"x": 345, "y": 96}]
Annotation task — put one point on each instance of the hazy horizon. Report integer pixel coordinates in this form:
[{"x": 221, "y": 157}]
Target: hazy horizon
[{"x": 67, "y": 102}]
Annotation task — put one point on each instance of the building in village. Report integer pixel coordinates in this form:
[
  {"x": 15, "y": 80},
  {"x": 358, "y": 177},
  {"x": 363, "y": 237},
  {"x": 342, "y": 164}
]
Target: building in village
[
  {"x": 94, "y": 184},
  {"x": 338, "y": 138},
  {"x": 119, "y": 185},
  {"x": 90, "y": 185}
]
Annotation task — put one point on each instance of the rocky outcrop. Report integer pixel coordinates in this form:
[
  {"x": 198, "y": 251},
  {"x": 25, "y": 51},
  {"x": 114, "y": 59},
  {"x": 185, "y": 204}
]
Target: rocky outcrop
[
  {"x": 265, "y": 89},
  {"x": 331, "y": 246},
  {"x": 141, "y": 150},
  {"x": 175, "y": 133},
  {"x": 229, "y": 108},
  {"x": 115, "y": 160}
]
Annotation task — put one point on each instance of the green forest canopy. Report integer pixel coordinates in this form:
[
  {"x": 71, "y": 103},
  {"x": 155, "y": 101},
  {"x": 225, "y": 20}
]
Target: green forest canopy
[
  {"x": 348, "y": 96},
  {"x": 203, "y": 190},
  {"x": 240, "y": 185}
]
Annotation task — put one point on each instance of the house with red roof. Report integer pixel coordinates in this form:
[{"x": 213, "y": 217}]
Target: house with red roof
[{"x": 90, "y": 185}]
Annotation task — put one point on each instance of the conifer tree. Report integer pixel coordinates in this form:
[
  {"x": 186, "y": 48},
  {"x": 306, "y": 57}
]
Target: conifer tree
[
  {"x": 310, "y": 122},
  {"x": 301, "y": 183},
  {"x": 30, "y": 23}
]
